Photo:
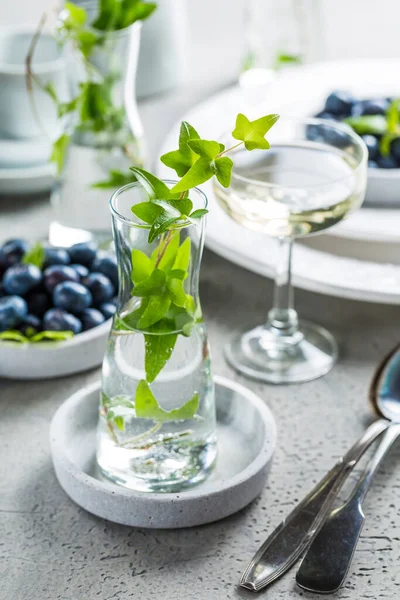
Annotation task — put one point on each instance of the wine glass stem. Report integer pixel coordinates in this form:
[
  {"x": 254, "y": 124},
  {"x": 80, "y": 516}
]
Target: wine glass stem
[{"x": 282, "y": 318}]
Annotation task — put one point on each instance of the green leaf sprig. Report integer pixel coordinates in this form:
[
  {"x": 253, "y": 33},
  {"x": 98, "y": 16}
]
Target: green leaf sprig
[{"x": 166, "y": 310}]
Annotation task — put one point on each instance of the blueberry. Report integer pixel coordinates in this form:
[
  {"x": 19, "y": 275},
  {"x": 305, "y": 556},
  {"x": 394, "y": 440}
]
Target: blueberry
[
  {"x": 30, "y": 324},
  {"x": 11, "y": 252},
  {"x": 72, "y": 296},
  {"x": 335, "y": 137},
  {"x": 38, "y": 303},
  {"x": 108, "y": 309},
  {"x": 91, "y": 318},
  {"x": 56, "y": 256},
  {"x": 57, "y": 274},
  {"x": 101, "y": 288},
  {"x": 387, "y": 162},
  {"x": 372, "y": 144},
  {"x": 326, "y": 115},
  {"x": 108, "y": 266},
  {"x": 82, "y": 271},
  {"x": 370, "y": 107},
  {"x": 56, "y": 319},
  {"x": 339, "y": 103},
  {"x": 372, "y": 164},
  {"x": 12, "y": 310},
  {"x": 395, "y": 149},
  {"x": 83, "y": 253},
  {"x": 20, "y": 279}
]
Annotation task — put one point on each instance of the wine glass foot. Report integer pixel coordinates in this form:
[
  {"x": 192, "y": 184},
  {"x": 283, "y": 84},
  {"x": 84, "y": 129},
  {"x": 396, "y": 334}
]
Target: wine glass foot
[{"x": 261, "y": 354}]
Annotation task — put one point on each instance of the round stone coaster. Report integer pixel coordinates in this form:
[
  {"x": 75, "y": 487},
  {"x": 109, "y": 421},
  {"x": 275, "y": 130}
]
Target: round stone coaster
[{"x": 246, "y": 441}]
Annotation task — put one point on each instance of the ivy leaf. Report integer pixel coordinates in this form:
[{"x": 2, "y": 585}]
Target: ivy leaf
[
  {"x": 34, "y": 256},
  {"x": 142, "y": 266},
  {"x": 147, "y": 407},
  {"x": 86, "y": 41},
  {"x": 75, "y": 16},
  {"x": 153, "y": 285},
  {"x": 223, "y": 170},
  {"x": 63, "y": 108},
  {"x": 176, "y": 289},
  {"x": 153, "y": 186},
  {"x": 160, "y": 225},
  {"x": 109, "y": 12},
  {"x": 130, "y": 321},
  {"x": 182, "y": 259},
  {"x": 58, "y": 155},
  {"x": 179, "y": 207},
  {"x": 158, "y": 350},
  {"x": 207, "y": 149},
  {"x": 252, "y": 132},
  {"x": 168, "y": 210},
  {"x": 199, "y": 173},
  {"x": 50, "y": 89},
  {"x": 365, "y": 124},
  {"x": 119, "y": 422},
  {"x": 199, "y": 213},
  {"x": 147, "y": 211},
  {"x": 116, "y": 179},
  {"x": 156, "y": 309},
  {"x": 181, "y": 160}
]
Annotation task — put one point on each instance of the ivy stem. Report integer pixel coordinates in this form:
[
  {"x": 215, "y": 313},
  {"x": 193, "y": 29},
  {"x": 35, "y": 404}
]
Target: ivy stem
[
  {"x": 143, "y": 436},
  {"x": 30, "y": 76},
  {"x": 228, "y": 149},
  {"x": 168, "y": 239}
]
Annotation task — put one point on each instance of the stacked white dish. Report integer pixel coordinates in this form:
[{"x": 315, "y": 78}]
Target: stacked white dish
[
  {"x": 25, "y": 138},
  {"x": 359, "y": 258}
]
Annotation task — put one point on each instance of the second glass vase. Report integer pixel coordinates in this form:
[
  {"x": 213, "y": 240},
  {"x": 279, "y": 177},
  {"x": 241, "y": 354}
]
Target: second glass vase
[
  {"x": 106, "y": 136},
  {"x": 157, "y": 425}
]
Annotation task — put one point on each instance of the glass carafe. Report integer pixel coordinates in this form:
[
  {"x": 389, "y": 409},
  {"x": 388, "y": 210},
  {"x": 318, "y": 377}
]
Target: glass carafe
[
  {"x": 157, "y": 424},
  {"x": 106, "y": 136}
]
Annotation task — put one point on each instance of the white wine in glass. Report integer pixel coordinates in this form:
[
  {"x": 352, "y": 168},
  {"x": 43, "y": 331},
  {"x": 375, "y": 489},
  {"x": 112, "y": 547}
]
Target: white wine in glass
[{"x": 312, "y": 177}]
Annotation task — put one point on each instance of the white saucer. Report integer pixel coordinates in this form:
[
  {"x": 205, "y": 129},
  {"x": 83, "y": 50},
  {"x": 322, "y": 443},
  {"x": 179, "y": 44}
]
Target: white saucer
[
  {"x": 246, "y": 442},
  {"x": 27, "y": 180},
  {"x": 374, "y": 280}
]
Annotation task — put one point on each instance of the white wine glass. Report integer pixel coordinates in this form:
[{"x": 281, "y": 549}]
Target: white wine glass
[{"x": 313, "y": 176}]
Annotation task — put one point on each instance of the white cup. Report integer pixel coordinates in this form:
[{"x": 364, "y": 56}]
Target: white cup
[{"x": 17, "y": 119}]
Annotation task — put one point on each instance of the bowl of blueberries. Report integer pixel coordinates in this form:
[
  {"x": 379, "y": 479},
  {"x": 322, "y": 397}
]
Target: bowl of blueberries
[
  {"x": 377, "y": 121},
  {"x": 56, "y": 307}
]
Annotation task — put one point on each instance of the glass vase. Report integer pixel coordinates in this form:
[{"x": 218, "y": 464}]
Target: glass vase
[
  {"x": 279, "y": 34},
  {"x": 106, "y": 136},
  {"x": 157, "y": 424}
]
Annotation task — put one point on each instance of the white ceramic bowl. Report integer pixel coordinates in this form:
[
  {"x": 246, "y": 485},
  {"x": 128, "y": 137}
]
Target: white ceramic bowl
[
  {"x": 47, "y": 360},
  {"x": 303, "y": 91}
]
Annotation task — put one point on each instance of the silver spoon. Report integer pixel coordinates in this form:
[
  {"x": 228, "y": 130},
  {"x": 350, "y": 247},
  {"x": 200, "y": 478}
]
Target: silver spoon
[
  {"x": 295, "y": 534},
  {"x": 327, "y": 562}
]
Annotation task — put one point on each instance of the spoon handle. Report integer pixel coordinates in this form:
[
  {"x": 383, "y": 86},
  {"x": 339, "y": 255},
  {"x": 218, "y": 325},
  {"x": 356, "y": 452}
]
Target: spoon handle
[
  {"x": 326, "y": 564},
  {"x": 292, "y": 537}
]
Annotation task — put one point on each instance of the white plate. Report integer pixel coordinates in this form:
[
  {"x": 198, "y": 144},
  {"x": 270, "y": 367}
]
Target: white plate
[
  {"x": 246, "y": 442},
  {"x": 313, "y": 269},
  {"x": 27, "y": 180},
  {"x": 47, "y": 360}
]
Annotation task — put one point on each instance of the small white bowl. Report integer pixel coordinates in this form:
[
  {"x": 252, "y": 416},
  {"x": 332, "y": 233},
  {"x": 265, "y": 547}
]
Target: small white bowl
[{"x": 54, "y": 359}]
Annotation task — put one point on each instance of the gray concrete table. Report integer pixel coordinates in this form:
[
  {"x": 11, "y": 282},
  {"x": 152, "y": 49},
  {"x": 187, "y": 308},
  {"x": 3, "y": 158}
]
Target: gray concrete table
[{"x": 50, "y": 549}]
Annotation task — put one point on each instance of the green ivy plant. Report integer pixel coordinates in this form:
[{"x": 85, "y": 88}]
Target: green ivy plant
[
  {"x": 387, "y": 126},
  {"x": 165, "y": 308},
  {"x": 93, "y": 106}
]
